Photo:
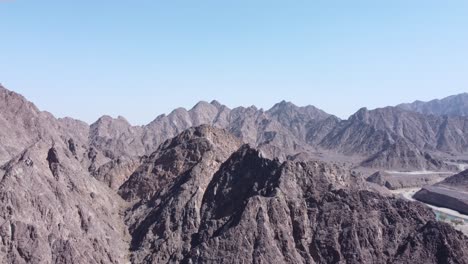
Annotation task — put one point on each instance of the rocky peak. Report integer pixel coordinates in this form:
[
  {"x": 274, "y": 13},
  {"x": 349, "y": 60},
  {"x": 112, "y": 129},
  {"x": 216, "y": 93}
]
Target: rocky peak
[
  {"x": 202, "y": 106},
  {"x": 292, "y": 111},
  {"x": 178, "y": 156},
  {"x": 283, "y": 105},
  {"x": 361, "y": 115},
  {"x": 16, "y": 103},
  {"x": 244, "y": 175},
  {"x": 108, "y": 121},
  {"x": 217, "y": 104},
  {"x": 115, "y": 137}
]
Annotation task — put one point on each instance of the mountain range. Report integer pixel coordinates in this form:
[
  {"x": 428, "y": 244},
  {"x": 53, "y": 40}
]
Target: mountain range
[
  {"x": 456, "y": 105},
  {"x": 219, "y": 185}
]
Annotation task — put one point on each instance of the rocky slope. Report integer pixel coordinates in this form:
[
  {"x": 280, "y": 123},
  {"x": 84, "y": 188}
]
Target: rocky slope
[
  {"x": 52, "y": 210},
  {"x": 255, "y": 210},
  {"x": 450, "y": 193},
  {"x": 22, "y": 125},
  {"x": 404, "y": 155},
  {"x": 455, "y": 105}
]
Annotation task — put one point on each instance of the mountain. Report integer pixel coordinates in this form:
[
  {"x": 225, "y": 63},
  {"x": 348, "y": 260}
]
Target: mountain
[
  {"x": 279, "y": 132},
  {"x": 394, "y": 138},
  {"x": 250, "y": 209},
  {"x": 209, "y": 185},
  {"x": 384, "y": 138},
  {"x": 51, "y": 210},
  {"x": 404, "y": 155},
  {"x": 455, "y": 105},
  {"x": 22, "y": 124}
]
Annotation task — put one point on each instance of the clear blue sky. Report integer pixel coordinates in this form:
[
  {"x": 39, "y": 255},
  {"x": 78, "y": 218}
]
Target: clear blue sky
[{"x": 143, "y": 58}]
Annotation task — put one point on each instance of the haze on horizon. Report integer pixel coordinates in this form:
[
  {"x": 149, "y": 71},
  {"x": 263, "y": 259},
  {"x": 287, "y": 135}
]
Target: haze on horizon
[{"x": 140, "y": 59}]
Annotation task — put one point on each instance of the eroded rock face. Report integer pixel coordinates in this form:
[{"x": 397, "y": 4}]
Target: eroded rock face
[
  {"x": 256, "y": 210},
  {"x": 52, "y": 211}
]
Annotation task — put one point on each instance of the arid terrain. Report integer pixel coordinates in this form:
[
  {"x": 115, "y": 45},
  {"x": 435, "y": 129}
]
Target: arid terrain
[{"x": 245, "y": 185}]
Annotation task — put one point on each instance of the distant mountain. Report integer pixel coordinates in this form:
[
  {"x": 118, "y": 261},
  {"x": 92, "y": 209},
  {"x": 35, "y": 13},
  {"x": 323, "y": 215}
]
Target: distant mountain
[
  {"x": 394, "y": 138},
  {"x": 279, "y": 132},
  {"x": 383, "y": 138},
  {"x": 455, "y": 105}
]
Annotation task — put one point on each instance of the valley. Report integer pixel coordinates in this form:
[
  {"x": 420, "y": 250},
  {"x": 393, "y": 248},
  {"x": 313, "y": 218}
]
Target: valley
[{"x": 457, "y": 220}]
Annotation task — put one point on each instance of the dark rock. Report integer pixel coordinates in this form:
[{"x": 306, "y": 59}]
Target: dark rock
[{"x": 71, "y": 146}]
